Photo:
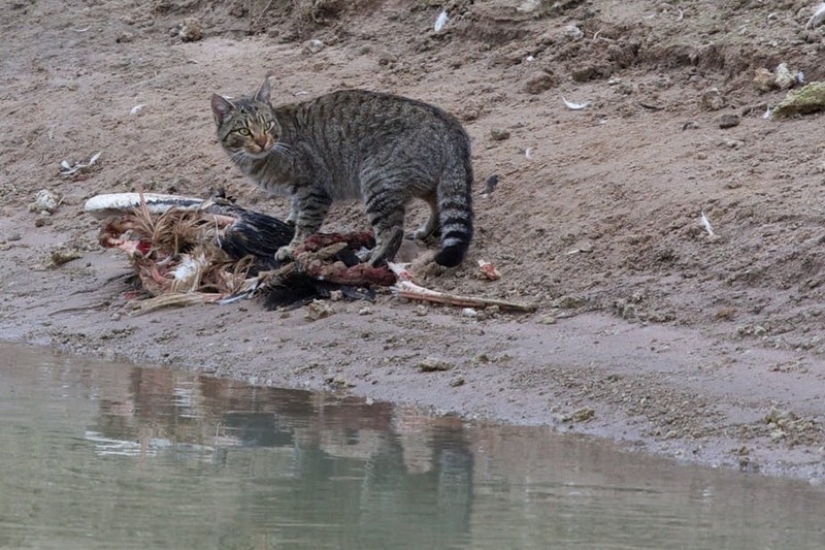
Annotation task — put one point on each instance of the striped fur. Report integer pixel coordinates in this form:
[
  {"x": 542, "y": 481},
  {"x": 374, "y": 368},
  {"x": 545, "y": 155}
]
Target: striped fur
[{"x": 383, "y": 149}]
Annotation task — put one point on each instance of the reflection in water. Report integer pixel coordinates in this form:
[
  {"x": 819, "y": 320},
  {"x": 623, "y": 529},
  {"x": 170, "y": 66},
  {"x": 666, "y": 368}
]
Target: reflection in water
[{"x": 113, "y": 456}]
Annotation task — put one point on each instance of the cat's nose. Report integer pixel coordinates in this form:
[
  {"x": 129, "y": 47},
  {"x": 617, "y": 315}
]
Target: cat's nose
[{"x": 261, "y": 140}]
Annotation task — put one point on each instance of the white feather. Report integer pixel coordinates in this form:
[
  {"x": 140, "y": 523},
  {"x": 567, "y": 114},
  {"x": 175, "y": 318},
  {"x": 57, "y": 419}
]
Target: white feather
[
  {"x": 441, "y": 20},
  {"x": 575, "y": 106},
  {"x": 707, "y": 225},
  {"x": 817, "y": 18},
  {"x": 136, "y": 109},
  {"x": 768, "y": 113}
]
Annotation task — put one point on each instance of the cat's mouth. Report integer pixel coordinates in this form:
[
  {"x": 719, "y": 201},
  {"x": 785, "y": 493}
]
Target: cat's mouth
[{"x": 259, "y": 149}]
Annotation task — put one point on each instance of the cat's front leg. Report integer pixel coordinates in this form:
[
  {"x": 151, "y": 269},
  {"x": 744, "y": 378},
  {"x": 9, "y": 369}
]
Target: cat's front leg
[
  {"x": 293, "y": 211},
  {"x": 309, "y": 211}
]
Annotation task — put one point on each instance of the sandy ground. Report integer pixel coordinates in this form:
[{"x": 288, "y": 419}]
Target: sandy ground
[{"x": 649, "y": 330}]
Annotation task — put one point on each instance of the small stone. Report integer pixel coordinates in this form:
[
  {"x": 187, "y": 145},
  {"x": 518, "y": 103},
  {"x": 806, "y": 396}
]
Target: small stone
[
  {"x": 728, "y": 121},
  {"x": 569, "y": 302},
  {"x": 433, "y": 364},
  {"x": 365, "y": 311},
  {"x": 421, "y": 310},
  {"x": 336, "y": 296},
  {"x": 318, "y": 309},
  {"x": 539, "y": 83},
  {"x": 457, "y": 381},
  {"x": 499, "y": 134},
  {"x": 190, "y": 30},
  {"x": 469, "y": 312},
  {"x": 763, "y": 79},
  {"x": 45, "y": 201},
  {"x": 387, "y": 58},
  {"x": 125, "y": 38},
  {"x": 314, "y": 46},
  {"x": 583, "y": 415},
  {"x": 581, "y": 246},
  {"x": 548, "y": 320},
  {"x": 713, "y": 100}
]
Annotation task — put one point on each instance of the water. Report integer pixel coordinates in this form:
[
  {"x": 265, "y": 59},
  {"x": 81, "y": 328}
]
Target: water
[{"x": 97, "y": 456}]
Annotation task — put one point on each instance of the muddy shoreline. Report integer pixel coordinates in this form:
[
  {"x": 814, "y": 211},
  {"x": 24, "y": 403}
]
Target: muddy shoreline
[{"x": 649, "y": 331}]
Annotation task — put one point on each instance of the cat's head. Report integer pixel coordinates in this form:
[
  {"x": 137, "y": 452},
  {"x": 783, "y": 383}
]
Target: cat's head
[{"x": 246, "y": 125}]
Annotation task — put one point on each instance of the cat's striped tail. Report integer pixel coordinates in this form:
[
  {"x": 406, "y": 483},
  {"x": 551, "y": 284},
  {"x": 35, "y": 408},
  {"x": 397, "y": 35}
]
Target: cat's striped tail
[{"x": 455, "y": 207}]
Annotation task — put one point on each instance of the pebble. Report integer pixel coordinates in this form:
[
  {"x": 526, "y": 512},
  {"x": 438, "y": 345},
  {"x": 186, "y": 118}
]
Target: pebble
[
  {"x": 433, "y": 364},
  {"x": 499, "y": 134},
  {"x": 728, "y": 121},
  {"x": 318, "y": 309},
  {"x": 314, "y": 46}
]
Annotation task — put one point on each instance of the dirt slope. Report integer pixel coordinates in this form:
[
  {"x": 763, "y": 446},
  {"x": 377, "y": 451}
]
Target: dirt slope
[{"x": 649, "y": 329}]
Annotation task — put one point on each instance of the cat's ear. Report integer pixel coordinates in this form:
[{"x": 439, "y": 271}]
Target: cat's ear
[
  {"x": 263, "y": 92},
  {"x": 221, "y": 107}
]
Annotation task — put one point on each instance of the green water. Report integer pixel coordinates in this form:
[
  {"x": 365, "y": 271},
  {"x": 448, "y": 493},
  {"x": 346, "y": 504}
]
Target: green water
[{"x": 97, "y": 456}]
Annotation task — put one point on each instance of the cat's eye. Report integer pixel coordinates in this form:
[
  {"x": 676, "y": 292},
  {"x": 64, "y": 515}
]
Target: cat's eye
[{"x": 244, "y": 131}]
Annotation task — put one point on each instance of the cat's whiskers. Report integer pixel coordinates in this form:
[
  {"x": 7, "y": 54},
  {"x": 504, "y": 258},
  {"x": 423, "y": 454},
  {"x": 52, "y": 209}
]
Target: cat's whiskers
[{"x": 282, "y": 148}]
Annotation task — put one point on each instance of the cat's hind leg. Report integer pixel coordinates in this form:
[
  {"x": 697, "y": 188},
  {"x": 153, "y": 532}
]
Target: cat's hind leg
[
  {"x": 385, "y": 212},
  {"x": 431, "y": 227}
]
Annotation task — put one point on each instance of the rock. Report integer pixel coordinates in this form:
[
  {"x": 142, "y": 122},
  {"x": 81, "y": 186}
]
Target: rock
[
  {"x": 584, "y": 414},
  {"x": 806, "y": 100},
  {"x": 421, "y": 310},
  {"x": 713, "y": 100},
  {"x": 499, "y": 134},
  {"x": 433, "y": 364},
  {"x": 539, "y": 83},
  {"x": 387, "y": 58},
  {"x": 125, "y": 38},
  {"x": 457, "y": 381},
  {"x": 763, "y": 79},
  {"x": 548, "y": 320},
  {"x": 529, "y": 6},
  {"x": 313, "y": 46},
  {"x": 783, "y": 79},
  {"x": 727, "y": 121},
  {"x": 189, "y": 30},
  {"x": 581, "y": 246},
  {"x": 318, "y": 309},
  {"x": 45, "y": 201}
]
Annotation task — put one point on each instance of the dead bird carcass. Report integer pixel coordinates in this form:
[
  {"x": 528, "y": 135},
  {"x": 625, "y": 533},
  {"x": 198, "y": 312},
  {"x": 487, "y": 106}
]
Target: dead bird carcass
[{"x": 186, "y": 250}]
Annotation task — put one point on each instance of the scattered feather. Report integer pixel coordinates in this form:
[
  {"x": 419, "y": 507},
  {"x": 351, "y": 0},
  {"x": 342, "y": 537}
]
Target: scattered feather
[
  {"x": 680, "y": 16},
  {"x": 707, "y": 225},
  {"x": 530, "y": 58},
  {"x": 84, "y": 29},
  {"x": 800, "y": 77},
  {"x": 528, "y": 153},
  {"x": 575, "y": 106},
  {"x": 768, "y": 113},
  {"x": 68, "y": 169},
  {"x": 136, "y": 109},
  {"x": 817, "y": 18},
  {"x": 441, "y": 21}
]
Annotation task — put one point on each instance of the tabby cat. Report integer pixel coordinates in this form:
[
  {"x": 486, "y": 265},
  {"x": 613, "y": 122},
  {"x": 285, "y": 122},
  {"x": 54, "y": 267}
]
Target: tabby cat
[{"x": 381, "y": 148}]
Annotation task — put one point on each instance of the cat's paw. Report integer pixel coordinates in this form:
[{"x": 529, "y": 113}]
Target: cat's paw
[{"x": 284, "y": 253}]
